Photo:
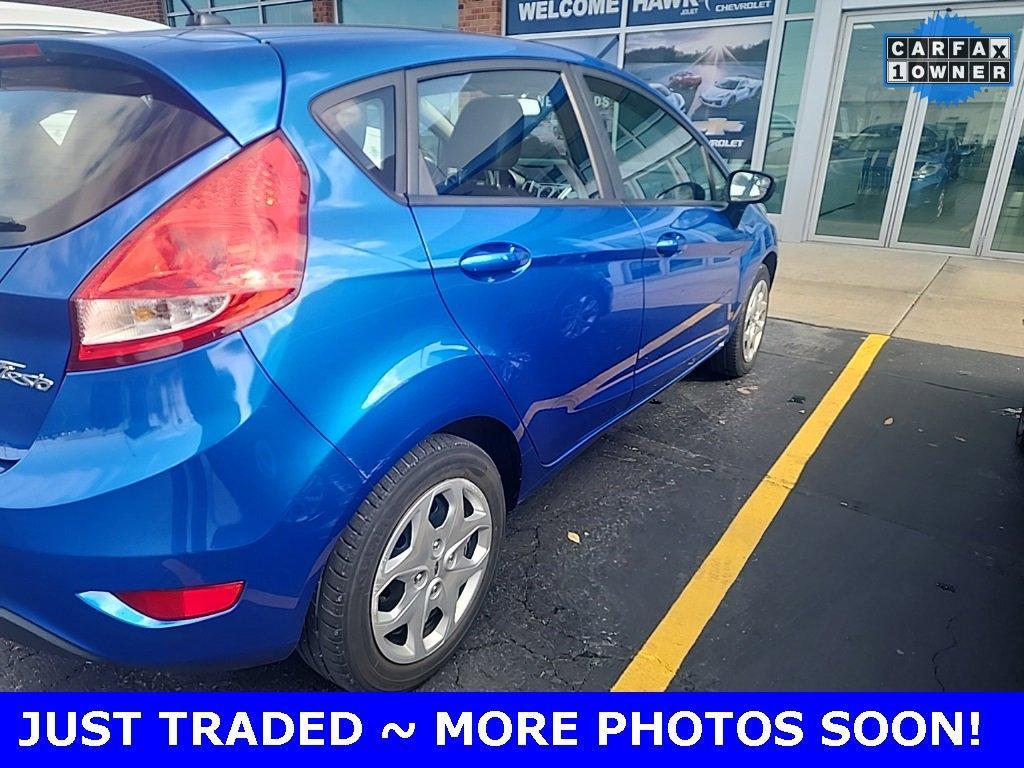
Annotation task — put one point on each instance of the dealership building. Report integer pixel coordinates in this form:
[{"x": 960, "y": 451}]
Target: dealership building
[{"x": 791, "y": 86}]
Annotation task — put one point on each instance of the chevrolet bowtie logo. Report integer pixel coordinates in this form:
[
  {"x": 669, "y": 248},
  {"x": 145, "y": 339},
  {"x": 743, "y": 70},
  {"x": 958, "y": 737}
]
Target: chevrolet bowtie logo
[
  {"x": 15, "y": 373},
  {"x": 719, "y": 126}
]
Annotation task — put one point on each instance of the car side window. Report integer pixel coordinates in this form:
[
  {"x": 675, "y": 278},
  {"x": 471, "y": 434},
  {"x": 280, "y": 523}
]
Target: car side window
[
  {"x": 365, "y": 127},
  {"x": 502, "y": 133},
  {"x": 658, "y": 157}
]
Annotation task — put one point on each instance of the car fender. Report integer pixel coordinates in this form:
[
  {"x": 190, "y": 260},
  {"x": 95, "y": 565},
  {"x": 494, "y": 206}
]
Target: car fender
[
  {"x": 763, "y": 243},
  {"x": 382, "y": 435},
  {"x": 385, "y": 433}
]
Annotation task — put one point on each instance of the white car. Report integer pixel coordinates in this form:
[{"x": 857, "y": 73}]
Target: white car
[
  {"x": 730, "y": 90},
  {"x": 22, "y": 19},
  {"x": 675, "y": 99}
]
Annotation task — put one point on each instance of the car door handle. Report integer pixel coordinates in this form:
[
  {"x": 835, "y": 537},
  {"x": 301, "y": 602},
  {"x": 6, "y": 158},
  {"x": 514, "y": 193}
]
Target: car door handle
[
  {"x": 670, "y": 243},
  {"x": 492, "y": 259}
]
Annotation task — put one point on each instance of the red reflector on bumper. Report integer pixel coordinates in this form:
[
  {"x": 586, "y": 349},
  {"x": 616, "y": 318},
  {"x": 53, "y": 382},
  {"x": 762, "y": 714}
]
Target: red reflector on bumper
[{"x": 185, "y": 603}]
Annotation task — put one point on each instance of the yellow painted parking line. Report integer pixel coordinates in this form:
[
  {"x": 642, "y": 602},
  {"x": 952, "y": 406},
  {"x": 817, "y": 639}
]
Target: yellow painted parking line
[{"x": 657, "y": 662}]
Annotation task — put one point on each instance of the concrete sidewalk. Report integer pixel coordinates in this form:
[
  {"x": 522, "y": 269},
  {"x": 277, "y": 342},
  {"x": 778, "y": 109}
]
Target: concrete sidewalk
[{"x": 932, "y": 297}]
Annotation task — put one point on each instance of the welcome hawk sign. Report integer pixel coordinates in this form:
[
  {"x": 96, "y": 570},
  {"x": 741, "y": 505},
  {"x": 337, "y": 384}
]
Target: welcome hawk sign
[{"x": 534, "y": 16}]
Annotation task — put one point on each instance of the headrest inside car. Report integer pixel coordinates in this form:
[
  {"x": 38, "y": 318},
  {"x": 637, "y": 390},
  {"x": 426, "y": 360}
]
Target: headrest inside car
[{"x": 487, "y": 136}]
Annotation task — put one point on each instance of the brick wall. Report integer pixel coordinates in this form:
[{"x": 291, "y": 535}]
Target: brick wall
[
  {"x": 323, "y": 11},
  {"x": 474, "y": 15},
  {"x": 480, "y": 16},
  {"x": 151, "y": 10}
]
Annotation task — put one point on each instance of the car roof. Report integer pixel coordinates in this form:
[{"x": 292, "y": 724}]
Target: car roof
[
  {"x": 41, "y": 18},
  {"x": 347, "y": 53},
  {"x": 380, "y": 49},
  {"x": 217, "y": 64}
]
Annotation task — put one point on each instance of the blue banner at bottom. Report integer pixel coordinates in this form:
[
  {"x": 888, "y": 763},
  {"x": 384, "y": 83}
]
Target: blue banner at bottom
[{"x": 209, "y": 728}]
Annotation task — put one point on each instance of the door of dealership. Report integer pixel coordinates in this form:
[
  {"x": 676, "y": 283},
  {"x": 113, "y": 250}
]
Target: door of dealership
[{"x": 899, "y": 170}]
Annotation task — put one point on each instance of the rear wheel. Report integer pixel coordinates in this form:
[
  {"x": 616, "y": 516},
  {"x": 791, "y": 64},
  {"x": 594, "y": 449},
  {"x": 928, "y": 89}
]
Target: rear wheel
[
  {"x": 409, "y": 573},
  {"x": 739, "y": 354}
]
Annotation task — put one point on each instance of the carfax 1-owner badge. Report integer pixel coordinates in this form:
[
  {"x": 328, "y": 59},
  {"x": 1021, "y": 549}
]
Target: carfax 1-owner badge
[{"x": 947, "y": 59}]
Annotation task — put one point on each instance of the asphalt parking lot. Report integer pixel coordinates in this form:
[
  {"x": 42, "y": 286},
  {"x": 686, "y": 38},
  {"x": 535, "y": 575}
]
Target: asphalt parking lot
[{"x": 896, "y": 563}]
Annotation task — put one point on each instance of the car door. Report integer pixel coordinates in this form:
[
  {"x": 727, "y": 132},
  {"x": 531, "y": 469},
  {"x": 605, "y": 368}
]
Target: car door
[
  {"x": 538, "y": 265},
  {"x": 675, "y": 189}
]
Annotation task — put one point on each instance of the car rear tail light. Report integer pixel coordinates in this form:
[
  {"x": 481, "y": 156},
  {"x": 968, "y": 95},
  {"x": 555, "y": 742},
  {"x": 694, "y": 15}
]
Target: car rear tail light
[
  {"x": 185, "y": 603},
  {"x": 226, "y": 252}
]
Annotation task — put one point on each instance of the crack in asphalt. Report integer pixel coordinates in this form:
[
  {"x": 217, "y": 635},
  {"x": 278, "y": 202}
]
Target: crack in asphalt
[{"x": 942, "y": 650}]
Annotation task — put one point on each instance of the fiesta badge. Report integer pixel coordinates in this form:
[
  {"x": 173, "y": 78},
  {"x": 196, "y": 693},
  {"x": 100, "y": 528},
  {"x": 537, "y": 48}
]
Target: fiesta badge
[{"x": 15, "y": 373}]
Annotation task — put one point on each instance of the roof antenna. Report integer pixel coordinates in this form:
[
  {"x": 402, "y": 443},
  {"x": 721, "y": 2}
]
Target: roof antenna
[{"x": 203, "y": 19}]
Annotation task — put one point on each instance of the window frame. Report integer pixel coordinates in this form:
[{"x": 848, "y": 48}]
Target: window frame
[
  {"x": 332, "y": 98},
  {"x": 595, "y": 149},
  {"x": 611, "y": 189},
  {"x": 710, "y": 156}
]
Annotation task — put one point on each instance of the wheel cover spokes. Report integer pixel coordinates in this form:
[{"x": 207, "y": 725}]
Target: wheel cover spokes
[
  {"x": 755, "y": 320},
  {"x": 431, "y": 570}
]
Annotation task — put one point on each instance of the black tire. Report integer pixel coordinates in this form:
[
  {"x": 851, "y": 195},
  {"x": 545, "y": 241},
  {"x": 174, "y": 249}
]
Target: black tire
[
  {"x": 337, "y": 640},
  {"x": 730, "y": 362}
]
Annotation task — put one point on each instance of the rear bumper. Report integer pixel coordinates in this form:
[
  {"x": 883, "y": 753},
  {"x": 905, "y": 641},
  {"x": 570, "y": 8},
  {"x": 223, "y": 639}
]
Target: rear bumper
[{"x": 188, "y": 471}]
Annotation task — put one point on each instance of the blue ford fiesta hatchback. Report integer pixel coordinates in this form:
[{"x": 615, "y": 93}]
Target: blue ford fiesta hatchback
[{"x": 290, "y": 318}]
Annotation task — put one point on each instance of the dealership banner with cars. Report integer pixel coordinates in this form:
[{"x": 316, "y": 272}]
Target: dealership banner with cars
[
  {"x": 503, "y": 729},
  {"x": 524, "y": 17},
  {"x": 714, "y": 74}
]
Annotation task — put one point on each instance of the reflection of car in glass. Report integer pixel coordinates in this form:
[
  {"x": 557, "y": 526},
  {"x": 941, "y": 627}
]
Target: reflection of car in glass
[
  {"x": 273, "y": 369},
  {"x": 685, "y": 81},
  {"x": 729, "y": 91},
  {"x": 936, "y": 167},
  {"x": 779, "y": 150},
  {"x": 781, "y": 127},
  {"x": 675, "y": 99}
]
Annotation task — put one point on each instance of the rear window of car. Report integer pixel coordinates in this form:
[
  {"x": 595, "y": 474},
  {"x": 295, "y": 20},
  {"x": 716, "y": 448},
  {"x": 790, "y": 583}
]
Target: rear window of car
[{"x": 78, "y": 134}]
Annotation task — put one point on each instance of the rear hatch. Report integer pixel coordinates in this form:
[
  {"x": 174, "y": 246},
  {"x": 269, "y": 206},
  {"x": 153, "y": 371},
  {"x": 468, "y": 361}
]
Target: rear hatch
[{"x": 84, "y": 132}]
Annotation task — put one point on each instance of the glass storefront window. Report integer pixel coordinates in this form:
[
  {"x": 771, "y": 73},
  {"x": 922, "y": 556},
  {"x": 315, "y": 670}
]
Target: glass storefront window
[
  {"x": 242, "y": 13},
  {"x": 865, "y": 139},
  {"x": 1009, "y": 234},
  {"x": 439, "y": 14},
  {"x": 288, "y": 13},
  {"x": 800, "y": 6},
  {"x": 241, "y": 16},
  {"x": 796, "y": 41},
  {"x": 953, "y": 160},
  {"x": 603, "y": 47},
  {"x": 714, "y": 75}
]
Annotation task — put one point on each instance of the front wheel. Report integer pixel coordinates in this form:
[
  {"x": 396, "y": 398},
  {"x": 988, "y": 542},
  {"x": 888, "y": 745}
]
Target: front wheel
[
  {"x": 739, "y": 354},
  {"x": 408, "y": 575}
]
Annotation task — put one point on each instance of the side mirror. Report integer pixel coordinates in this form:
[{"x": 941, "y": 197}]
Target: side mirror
[{"x": 746, "y": 187}]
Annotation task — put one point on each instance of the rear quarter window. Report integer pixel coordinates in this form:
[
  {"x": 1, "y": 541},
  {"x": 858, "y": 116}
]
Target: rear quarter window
[
  {"x": 364, "y": 126},
  {"x": 78, "y": 134}
]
